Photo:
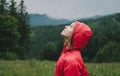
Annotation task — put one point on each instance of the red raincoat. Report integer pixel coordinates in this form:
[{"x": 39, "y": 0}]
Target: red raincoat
[{"x": 70, "y": 62}]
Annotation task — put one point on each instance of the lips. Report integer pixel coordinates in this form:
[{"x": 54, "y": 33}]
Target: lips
[{"x": 64, "y": 30}]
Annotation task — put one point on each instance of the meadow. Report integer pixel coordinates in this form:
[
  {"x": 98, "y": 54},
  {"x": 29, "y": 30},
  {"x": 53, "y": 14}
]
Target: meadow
[{"x": 46, "y": 68}]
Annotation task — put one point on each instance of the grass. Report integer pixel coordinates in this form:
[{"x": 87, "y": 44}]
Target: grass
[
  {"x": 104, "y": 69},
  {"x": 27, "y": 68},
  {"x": 46, "y": 68}
]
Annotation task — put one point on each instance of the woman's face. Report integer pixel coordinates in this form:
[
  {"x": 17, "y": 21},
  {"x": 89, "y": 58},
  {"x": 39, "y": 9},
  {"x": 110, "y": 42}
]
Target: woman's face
[{"x": 68, "y": 30}]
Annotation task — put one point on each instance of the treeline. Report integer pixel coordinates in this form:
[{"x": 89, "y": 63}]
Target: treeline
[
  {"x": 14, "y": 30},
  {"x": 104, "y": 46},
  {"x": 20, "y": 41}
]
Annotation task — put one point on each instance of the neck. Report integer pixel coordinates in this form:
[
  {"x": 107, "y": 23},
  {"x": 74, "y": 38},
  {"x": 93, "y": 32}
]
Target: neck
[{"x": 68, "y": 43}]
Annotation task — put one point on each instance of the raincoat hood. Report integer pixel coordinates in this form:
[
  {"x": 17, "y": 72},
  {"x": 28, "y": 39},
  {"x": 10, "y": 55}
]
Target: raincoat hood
[
  {"x": 81, "y": 35},
  {"x": 70, "y": 63}
]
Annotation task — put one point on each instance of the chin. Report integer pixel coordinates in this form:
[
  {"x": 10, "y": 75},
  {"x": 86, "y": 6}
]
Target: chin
[{"x": 62, "y": 34}]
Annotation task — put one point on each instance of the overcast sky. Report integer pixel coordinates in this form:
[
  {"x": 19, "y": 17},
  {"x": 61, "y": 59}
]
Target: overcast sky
[{"x": 72, "y": 9}]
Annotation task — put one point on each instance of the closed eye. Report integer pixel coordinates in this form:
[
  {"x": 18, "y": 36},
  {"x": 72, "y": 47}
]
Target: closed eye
[{"x": 71, "y": 25}]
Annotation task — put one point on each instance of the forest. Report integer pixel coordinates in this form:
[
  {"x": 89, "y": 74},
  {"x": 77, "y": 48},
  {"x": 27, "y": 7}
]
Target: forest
[
  {"x": 104, "y": 45},
  {"x": 20, "y": 40},
  {"x": 15, "y": 31}
]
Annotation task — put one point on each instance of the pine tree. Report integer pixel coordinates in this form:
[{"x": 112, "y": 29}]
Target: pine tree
[
  {"x": 24, "y": 29},
  {"x": 13, "y": 8},
  {"x": 18, "y": 26},
  {"x": 3, "y": 7},
  {"x": 9, "y": 35}
]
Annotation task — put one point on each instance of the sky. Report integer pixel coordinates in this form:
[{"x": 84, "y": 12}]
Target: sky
[{"x": 72, "y": 9}]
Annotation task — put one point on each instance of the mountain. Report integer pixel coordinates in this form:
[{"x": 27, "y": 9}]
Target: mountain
[
  {"x": 43, "y": 19},
  {"x": 106, "y": 36}
]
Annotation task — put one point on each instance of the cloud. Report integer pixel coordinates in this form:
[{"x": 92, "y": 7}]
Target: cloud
[{"x": 72, "y": 9}]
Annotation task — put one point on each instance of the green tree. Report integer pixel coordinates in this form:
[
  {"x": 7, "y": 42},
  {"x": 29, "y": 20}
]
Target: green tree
[
  {"x": 13, "y": 9},
  {"x": 14, "y": 21},
  {"x": 3, "y": 7},
  {"x": 109, "y": 53},
  {"x": 24, "y": 30},
  {"x": 50, "y": 51},
  {"x": 9, "y": 34}
]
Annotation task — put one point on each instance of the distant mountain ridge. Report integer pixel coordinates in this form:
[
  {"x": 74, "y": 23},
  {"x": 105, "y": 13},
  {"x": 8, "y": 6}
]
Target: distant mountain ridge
[{"x": 43, "y": 19}]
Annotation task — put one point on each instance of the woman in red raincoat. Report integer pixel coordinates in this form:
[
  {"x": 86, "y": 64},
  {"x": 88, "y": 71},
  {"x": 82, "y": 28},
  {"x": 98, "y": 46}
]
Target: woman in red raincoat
[{"x": 70, "y": 62}]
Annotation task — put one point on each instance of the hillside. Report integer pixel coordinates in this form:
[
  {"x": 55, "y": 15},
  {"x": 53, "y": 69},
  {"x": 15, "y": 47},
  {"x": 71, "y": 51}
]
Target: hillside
[
  {"x": 106, "y": 36},
  {"x": 38, "y": 19}
]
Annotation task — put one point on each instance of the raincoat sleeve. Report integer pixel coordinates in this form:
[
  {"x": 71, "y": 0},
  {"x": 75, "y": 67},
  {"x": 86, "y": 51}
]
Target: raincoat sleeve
[{"x": 72, "y": 69}]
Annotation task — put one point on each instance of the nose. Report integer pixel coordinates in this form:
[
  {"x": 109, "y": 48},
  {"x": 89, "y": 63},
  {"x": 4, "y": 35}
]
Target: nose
[{"x": 66, "y": 26}]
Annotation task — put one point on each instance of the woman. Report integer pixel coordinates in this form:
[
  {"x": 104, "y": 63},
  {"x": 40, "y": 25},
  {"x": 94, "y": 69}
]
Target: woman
[{"x": 70, "y": 62}]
